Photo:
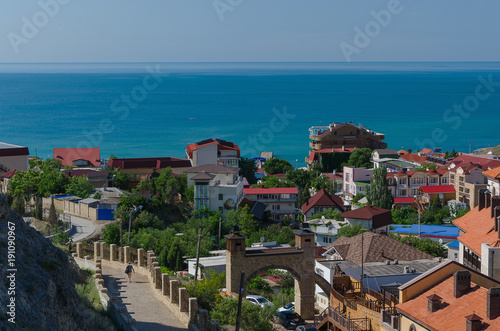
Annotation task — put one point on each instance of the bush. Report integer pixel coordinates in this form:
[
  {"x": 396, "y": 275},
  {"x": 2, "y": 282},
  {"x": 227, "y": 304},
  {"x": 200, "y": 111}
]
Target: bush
[{"x": 253, "y": 317}]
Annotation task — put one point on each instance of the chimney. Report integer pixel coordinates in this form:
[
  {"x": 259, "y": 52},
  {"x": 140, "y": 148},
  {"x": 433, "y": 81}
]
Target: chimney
[
  {"x": 487, "y": 197},
  {"x": 493, "y": 302},
  {"x": 433, "y": 303},
  {"x": 473, "y": 323},
  {"x": 495, "y": 202},
  {"x": 496, "y": 217},
  {"x": 482, "y": 201},
  {"x": 461, "y": 283}
]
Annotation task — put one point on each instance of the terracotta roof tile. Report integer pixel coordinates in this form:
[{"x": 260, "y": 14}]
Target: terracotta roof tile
[
  {"x": 68, "y": 155},
  {"x": 487, "y": 163},
  {"x": 454, "y": 311},
  {"x": 493, "y": 173},
  {"x": 221, "y": 145},
  {"x": 438, "y": 189},
  {"x": 322, "y": 198},
  {"x": 379, "y": 216}
]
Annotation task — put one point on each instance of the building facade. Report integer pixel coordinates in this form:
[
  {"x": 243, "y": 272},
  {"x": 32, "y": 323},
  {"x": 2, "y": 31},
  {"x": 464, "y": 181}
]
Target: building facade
[
  {"x": 216, "y": 187},
  {"x": 281, "y": 202},
  {"x": 213, "y": 151},
  {"x": 468, "y": 179},
  {"x": 356, "y": 181},
  {"x": 13, "y": 157},
  {"x": 320, "y": 202},
  {"x": 348, "y": 135}
]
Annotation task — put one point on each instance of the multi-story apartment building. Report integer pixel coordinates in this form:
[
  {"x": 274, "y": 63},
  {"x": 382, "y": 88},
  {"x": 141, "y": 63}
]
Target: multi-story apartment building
[
  {"x": 213, "y": 151},
  {"x": 468, "y": 179},
  {"x": 216, "y": 187},
  {"x": 405, "y": 184},
  {"x": 280, "y": 201},
  {"x": 348, "y": 134},
  {"x": 356, "y": 180}
]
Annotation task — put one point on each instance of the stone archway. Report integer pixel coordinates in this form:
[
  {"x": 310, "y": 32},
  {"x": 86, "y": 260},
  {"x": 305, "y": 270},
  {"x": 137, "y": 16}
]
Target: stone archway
[{"x": 298, "y": 260}]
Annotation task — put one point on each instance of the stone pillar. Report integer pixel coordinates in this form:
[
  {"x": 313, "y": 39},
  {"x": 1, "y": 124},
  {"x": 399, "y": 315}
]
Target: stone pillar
[
  {"x": 304, "y": 297},
  {"x": 174, "y": 291},
  {"x": 157, "y": 278},
  {"x": 153, "y": 260},
  {"x": 150, "y": 254},
  {"x": 103, "y": 247},
  {"x": 126, "y": 254},
  {"x": 193, "y": 310},
  {"x": 204, "y": 324},
  {"x": 153, "y": 266},
  {"x": 140, "y": 257},
  {"x": 79, "y": 250},
  {"x": 165, "y": 283},
  {"x": 97, "y": 251},
  {"x": 214, "y": 326},
  {"x": 183, "y": 299},
  {"x": 112, "y": 252}
]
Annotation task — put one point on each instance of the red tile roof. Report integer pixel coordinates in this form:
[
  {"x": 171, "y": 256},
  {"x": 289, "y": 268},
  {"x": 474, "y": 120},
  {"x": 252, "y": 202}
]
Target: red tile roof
[
  {"x": 322, "y": 198},
  {"x": 68, "y": 155},
  {"x": 485, "y": 162},
  {"x": 275, "y": 190},
  {"x": 379, "y": 216},
  {"x": 318, "y": 252},
  {"x": 376, "y": 248},
  {"x": 467, "y": 167},
  {"x": 221, "y": 145},
  {"x": 493, "y": 173},
  {"x": 89, "y": 173},
  {"x": 413, "y": 157},
  {"x": 331, "y": 177},
  {"x": 454, "y": 311},
  {"x": 9, "y": 174},
  {"x": 426, "y": 151},
  {"x": 152, "y": 162},
  {"x": 438, "y": 189},
  {"x": 479, "y": 227}
]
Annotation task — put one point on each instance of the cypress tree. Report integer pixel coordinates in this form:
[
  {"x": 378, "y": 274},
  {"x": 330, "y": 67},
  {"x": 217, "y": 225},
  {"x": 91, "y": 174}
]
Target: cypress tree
[{"x": 379, "y": 194}]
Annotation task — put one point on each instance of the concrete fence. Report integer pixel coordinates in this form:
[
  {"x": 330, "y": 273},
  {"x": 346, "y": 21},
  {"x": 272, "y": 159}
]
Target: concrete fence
[{"x": 167, "y": 290}]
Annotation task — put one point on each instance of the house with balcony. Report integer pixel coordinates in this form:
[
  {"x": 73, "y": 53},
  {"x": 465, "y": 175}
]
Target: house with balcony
[
  {"x": 427, "y": 194},
  {"x": 320, "y": 202},
  {"x": 493, "y": 180},
  {"x": 468, "y": 179},
  {"x": 213, "y": 151},
  {"x": 13, "y": 157},
  {"x": 148, "y": 165},
  {"x": 348, "y": 135},
  {"x": 404, "y": 184},
  {"x": 356, "y": 180},
  {"x": 280, "y": 202},
  {"x": 5, "y": 179},
  {"x": 339, "y": 154},
  {"x": 216, "y": 187},
  {"x": 488, "y": 162},
  {"x": 450, "y": 296},
  {"x": 479, "y": 240}
]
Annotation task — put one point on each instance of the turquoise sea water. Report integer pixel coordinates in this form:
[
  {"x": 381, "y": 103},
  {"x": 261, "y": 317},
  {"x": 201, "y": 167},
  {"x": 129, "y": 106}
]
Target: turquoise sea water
[{"x": 68, "y": 105}]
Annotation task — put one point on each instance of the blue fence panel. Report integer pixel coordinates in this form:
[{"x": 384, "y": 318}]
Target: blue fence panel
[{"x": 105, "y": 215}]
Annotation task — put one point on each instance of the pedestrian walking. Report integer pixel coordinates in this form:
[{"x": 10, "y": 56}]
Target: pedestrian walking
[{"x": 128, "y": 270}]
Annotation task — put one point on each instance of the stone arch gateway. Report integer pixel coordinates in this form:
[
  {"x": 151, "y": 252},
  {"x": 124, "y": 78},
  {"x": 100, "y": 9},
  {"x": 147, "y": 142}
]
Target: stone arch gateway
[{"x": 298, "y": 260}]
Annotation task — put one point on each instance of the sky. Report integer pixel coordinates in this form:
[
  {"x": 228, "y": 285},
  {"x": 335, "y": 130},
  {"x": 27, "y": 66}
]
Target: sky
[{"x": 249, "y": 30}]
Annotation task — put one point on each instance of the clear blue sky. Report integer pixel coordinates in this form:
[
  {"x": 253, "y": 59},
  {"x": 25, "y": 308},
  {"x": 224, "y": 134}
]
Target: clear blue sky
[{"x": 254, "y": 30}]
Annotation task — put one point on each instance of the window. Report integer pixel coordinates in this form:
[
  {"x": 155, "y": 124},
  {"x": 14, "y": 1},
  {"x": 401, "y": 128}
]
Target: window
[
  {"x": 201, "y": 192},
  {"x": 198, "y": 204},
  {"x": 413, "y": 192},
  {"x": 401, "y": 193},
  {"x": 389, "y": 181},
  {"x": 444, "y": 180},
  {"x": 276, "y": 207},
  {"x": 402, "y": 181},
  {"x": 433, "y": 180},
  {"x": 320, "y": 272},
  {"x": 221, "y": 196},
  {"x": 285, "y": 196}
]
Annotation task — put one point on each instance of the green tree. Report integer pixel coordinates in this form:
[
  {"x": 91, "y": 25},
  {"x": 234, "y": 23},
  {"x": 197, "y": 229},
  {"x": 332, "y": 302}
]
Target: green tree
[
  {"x": 405, "y": 215},
  {"x": 333, "y": 161},
  {"x": 38, "y": 209},
  {"x": 207, "y": 290},
  {"x": 247, "y": 170},
  {"x": 174, "y": 256},
  {"x": 111, "y": 233},
  {"x": 253, "y": 317},
  {"x": 330, "y": 213},
  {"x": 379, "y": 194},
  {"x": 53, "y": 217},
  {"x": 18, "y": 205},
  {"x": 120, "y": 179},
  {"x": 426, "y": 166},
  {"x": 243, "y": 218},
  {"x": 51, "y": 182},
  {"x": 79, "y": 186},
  {"x": 351, "y": 230},
  {"x": 360, "y": 157},
  {"x": 259, "y": 285},
  {"x": 428, "y": 246},
  {"x": 277, "y": 166}
]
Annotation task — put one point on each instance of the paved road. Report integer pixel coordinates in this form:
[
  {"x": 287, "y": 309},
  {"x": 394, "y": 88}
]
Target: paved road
[
  {"x": 150, "y": 313},
  {"x": 82, "y": 228}
]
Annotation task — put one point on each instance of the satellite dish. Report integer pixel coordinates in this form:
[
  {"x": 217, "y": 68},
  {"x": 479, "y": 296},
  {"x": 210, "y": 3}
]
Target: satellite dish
[{"x": 262, "y": 239}]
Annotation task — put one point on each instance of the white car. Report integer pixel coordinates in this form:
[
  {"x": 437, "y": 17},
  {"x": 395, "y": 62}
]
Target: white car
[
  {"x": 258, "y": 300},
  {"x": 289, "y": 308}
]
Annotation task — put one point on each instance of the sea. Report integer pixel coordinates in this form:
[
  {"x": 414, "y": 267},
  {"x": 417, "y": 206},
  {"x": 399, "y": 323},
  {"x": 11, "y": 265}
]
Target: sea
[{"x": 156, "y": 109}]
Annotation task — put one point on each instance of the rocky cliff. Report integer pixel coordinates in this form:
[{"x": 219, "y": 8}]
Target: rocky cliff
[{"x": 37, "y": 289}]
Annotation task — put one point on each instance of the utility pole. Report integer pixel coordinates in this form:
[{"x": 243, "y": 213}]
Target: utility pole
[
  {"x": 240, "y": 300},
  {"x": 197, "y": 260},
  {"x": 220, "y": 232}
]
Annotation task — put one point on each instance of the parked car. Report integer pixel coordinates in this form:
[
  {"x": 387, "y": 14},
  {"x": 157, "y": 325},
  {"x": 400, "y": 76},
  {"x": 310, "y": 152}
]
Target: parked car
[
  {"x": 258, "y": 300},
  {"x": 290, "y": 320},
  {"x": 303, "y": 328},
  {"x": 287, "y": 308}
]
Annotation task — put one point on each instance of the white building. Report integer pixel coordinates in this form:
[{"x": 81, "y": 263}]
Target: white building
[
  {"x": 216, "y": 187},
  {"x": 213, "y": 151},
  {"x": 280, "y": 201},
  {"x": 493, "y": 177},
  {"x": 355, "y": 181}
]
